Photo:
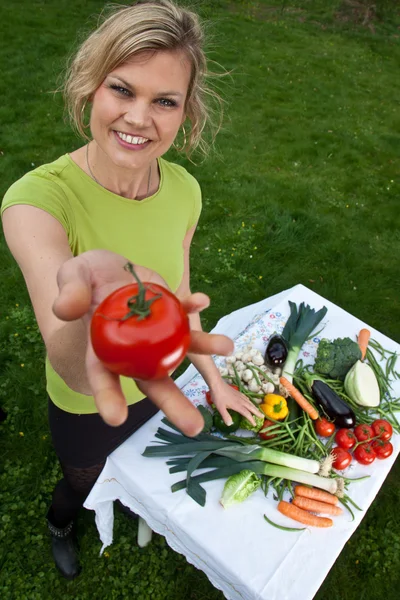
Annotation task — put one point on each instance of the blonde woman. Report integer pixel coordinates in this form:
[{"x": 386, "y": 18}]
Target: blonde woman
[{"x": 74, "y": 223}]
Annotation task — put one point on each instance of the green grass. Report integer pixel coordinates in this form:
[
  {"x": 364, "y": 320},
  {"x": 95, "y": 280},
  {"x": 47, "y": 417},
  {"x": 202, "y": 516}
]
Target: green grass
[{"x": 304, "y": 189}]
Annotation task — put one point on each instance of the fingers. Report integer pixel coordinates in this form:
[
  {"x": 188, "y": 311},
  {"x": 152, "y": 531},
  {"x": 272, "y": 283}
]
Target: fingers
[
  {"x": 238, "y": 402},
  {"x": 195, "y": 303},
  {"x": 246, "y": 408},
  {"x": 226, "y": 417},
  {"x": 176, "y": 407},
  {"x": 75, "y": 291},
  {"x": 106, "y": 390},
  {"x": 255, "y": 410},
  {"x": 210, "y": 343}
]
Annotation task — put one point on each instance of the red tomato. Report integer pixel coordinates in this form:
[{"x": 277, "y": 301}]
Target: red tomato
[
  {"x": 208, "y": 394},
  {"x": 142, "y": 348},
  {"x": 265, "y": 435},
  {"x": 364, "y": 432},
  {"x": 383, "y": 429},
  {"x": 345, "y": 438},
  {"x": 323, "y": 427},
  {"x": 365, "y": 454},
  {"x": 342, "y": 458},
  {"x": 382, "y": 449}
]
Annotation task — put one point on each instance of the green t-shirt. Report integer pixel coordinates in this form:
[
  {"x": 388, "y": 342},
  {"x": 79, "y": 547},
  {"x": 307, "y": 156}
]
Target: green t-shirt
[{"x": 148, "y": 232}]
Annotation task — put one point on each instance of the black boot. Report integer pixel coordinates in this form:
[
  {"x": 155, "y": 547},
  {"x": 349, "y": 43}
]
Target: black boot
[{"x": 64, "y": 549}]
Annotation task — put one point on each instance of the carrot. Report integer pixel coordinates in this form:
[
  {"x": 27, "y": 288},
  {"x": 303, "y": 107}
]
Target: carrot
[
  {"x": 298, "y": 514},
  {"x": 363, "y": 339},
  {"x": 315, "y": 506},
  {"x": 315, "y": 494},
  {"x": 299, "y": 398}
]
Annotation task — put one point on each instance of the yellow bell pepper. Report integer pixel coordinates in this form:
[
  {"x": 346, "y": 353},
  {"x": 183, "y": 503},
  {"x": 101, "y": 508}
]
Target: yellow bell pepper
[{"x": 275, "y": 407}]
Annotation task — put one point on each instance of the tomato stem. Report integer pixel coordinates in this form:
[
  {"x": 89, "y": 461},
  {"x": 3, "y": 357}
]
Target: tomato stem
[{"x": 137, "y": 305}]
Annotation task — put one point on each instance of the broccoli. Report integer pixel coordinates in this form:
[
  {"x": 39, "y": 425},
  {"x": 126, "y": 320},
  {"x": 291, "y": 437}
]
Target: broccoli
[
  {"x": 334, "y": 359},
  {"x": 245, "y": 424}
]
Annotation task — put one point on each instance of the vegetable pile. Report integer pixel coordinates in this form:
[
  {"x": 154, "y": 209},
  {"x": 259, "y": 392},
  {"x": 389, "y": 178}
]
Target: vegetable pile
[{"x": 318, "y": 419}]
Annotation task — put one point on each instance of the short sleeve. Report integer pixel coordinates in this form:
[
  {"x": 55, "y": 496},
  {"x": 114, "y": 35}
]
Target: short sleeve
[
  {"x": 40, "y": 190},
  {"x": 197, "y": 204}
]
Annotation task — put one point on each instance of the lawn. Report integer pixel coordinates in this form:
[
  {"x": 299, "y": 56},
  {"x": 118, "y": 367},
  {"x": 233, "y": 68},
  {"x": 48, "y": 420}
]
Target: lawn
[{"x": 303, "y": 187}]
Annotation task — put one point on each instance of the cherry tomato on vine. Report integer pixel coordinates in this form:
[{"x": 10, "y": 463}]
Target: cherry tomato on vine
[
  {"x": 382, "y": 449},
  {"x": 323, "y": 427},
  {"x": 345, "y": 438},
  {"x": 363, "y": 432},
  {"x": 364, "y": 454},
  {"x": 383, "y": 429},
  {"x": 140, "y": 331},
  {"x": 265, "y": 435},
  {"x": 342, "y": 458},
  {"x": 208, "y": 394}
]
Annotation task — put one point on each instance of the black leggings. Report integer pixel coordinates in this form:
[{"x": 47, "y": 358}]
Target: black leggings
[{"x": 82, "y": 444}]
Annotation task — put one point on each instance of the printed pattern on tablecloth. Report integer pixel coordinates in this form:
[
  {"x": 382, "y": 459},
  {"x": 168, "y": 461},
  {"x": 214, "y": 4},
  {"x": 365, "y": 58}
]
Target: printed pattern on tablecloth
[{"x": 256, "y": 334}]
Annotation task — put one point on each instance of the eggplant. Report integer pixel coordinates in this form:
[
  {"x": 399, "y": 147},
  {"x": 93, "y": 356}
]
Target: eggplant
[
  {"x": 276, "y": 352},
  {"x": 336, "y": 408}
]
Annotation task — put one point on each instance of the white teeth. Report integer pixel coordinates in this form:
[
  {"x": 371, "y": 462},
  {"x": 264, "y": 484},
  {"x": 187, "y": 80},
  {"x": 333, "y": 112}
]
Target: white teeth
[{"x": 132, "y": 139}]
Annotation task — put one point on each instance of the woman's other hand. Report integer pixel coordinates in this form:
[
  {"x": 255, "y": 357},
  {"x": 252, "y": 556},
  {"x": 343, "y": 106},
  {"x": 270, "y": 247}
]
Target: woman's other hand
[{"x": 224, "y": 396}]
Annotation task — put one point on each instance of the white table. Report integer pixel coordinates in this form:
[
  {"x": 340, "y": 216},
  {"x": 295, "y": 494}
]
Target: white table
[{"x": 227, "y": 544}]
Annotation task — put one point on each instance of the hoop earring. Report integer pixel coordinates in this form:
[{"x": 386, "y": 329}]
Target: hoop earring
[
  {"x": 180, "y": 148},
  {"x": 82, "y": 115}
]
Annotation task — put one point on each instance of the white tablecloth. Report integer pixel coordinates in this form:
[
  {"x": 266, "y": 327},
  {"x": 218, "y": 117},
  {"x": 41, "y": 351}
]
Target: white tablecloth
[{"x": 240, "y": 553}]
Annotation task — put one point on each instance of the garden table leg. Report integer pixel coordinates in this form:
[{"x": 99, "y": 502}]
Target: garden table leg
[{"x": 144, "y": 533}]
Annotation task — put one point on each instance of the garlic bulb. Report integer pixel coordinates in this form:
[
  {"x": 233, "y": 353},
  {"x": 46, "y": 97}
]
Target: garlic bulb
[
  {"x": 223, "y": 371},
  {"x": 239, "y": 366}
]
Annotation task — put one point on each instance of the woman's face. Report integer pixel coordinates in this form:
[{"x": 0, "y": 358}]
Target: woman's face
[{"x": 138, "y": 109}]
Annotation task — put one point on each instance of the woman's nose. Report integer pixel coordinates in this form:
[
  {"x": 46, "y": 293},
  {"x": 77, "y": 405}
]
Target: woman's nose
[{"x": 138, "y": 114}]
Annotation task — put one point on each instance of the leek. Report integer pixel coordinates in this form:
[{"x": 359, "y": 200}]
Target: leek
[
  {"x": 238, "y": 452},
  {"x": 224, "y": 458},
  {"x": 331, "y": 485},
  {"x": 299, "y": 326},
  {"x": 275, "y": 457}
]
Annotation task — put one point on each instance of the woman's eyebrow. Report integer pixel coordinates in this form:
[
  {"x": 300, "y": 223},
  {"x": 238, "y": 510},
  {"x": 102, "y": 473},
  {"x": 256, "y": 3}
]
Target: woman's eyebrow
[{"x": 130, "y": 87}]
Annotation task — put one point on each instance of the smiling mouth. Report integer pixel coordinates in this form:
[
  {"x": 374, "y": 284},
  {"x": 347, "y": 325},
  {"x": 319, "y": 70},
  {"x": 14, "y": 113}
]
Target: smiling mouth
[{"x": 132, "y": 139}]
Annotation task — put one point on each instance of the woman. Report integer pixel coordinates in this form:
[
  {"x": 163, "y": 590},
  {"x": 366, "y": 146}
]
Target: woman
[{"x": 73, "y": 224}]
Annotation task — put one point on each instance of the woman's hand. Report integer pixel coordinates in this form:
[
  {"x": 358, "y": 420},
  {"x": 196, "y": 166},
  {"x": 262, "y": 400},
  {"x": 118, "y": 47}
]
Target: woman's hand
[
  {"x": 84, "y": 282},
  {"x": 225, "y": 396}
]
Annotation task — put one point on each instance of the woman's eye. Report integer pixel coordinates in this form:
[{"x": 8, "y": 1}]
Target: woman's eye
[
  {"x": 120, "y": 90},
  {"x": 166, "y": 102}
]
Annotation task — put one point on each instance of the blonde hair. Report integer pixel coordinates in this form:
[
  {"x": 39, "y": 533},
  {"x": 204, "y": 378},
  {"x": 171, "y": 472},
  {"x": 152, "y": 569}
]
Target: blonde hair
[{"x": 130, "y": 30}]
